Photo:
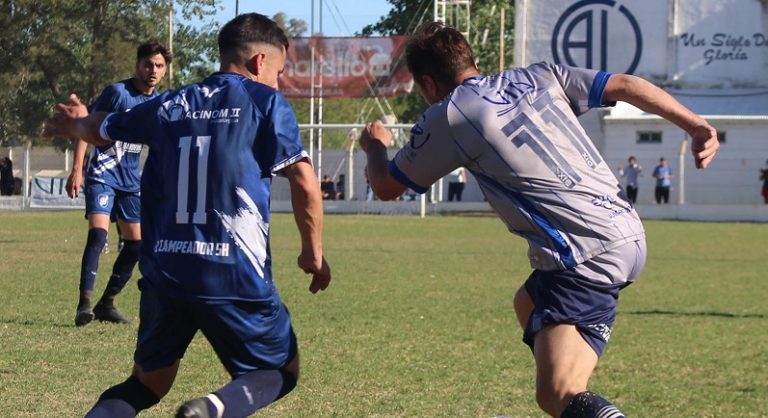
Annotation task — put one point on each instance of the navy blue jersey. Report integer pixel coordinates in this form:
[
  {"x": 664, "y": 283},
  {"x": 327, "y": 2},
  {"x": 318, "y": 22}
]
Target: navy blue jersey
[
  {"x": 205, "y": 190},
  {"x": 118, "y": 164}
]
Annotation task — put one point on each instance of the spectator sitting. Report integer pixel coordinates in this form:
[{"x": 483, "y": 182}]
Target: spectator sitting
[
  {"x": 340, "y": 187},
  {"x": 6, "y": 177},
  {"x": 328, "y": 188}
]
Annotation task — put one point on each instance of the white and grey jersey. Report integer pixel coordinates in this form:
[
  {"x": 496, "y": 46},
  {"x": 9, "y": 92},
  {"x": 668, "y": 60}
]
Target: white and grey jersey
[{"x": 517, "y": 132}]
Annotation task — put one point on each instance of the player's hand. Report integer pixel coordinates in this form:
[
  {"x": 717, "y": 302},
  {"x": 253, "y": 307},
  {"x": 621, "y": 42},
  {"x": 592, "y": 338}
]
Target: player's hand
[
  {"x": 62, "y": 122},
  {"x": 318, "y": 268},
  {"x": 375, "y": 132},
  {"x": 74, "y": 183},
  {"x": 704, "y": 145}
]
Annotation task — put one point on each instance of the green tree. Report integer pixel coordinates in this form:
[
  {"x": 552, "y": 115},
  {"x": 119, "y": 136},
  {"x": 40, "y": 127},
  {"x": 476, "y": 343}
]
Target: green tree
[
  {"x": 485, "y": 29},
  {"x": 195, "y": 49},
  {"x": 53, "y": 47},
  {"x": 294, "y": 28},
  {"x": 485, "y": 36}
]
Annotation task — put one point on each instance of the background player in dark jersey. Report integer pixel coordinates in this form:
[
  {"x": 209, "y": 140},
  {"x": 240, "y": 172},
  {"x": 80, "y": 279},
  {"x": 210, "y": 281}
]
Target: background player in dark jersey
[
  {"x": 518, "y": 133},
  {"x": 112, "y": 183},
  {"x": 205, "y": 258}
]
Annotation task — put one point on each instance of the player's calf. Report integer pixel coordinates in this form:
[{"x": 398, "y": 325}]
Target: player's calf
[
  {"x": 106, "y": 310},
  {"x": 97, "y": 238},
  {"x": 123, "y": 400},
  {"x": 242, "y": 396}
]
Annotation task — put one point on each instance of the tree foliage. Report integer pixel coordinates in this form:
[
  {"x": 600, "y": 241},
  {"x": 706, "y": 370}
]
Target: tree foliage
[
  {"x": 485, "y": 35},
  {"x": 294, "y": 28},
  {"x": 51, "y": 48}
]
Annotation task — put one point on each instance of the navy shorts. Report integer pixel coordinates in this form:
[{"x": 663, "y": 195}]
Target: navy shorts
[
  {"x": 586, "y": 295},
  {"x": 564, "y": 297},
  {"x": 103, "y": 199},
  {"x": 245, "y": 335}
]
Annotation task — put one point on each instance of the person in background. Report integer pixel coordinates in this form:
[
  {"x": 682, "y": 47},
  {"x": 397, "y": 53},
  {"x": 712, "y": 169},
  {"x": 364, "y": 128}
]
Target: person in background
[
  {"x": 631, "y": 172},
  {"x": 341, "y": 186},
  {"x": 663, "y": 175},
  {"x": 112, "y": 183},
  {"x": 6, "y": 177},
  {"x": 456, "y": 181},
  {"x": 328, "y": 188}
]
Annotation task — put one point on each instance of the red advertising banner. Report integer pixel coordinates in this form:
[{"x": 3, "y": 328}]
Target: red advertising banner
[{"x": 346, "y": 67}]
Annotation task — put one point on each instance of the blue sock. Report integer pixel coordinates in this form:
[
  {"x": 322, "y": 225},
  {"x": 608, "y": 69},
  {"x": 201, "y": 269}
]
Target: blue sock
[
  {"x": 251, "y": 392},
  {"x": 123, "y": 268},
  {"x": 590, "y": 405},
  {"x": 97, "y": 237},
  {"x": 123, "y": 400}
]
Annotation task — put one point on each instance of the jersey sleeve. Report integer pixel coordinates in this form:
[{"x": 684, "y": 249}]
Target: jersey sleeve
[
  {"x": 430, "y": 154},
  {"x": 583, "y": 87},
  {"x": 286, "y": 148},
  {"x": 134, "y": 126}
]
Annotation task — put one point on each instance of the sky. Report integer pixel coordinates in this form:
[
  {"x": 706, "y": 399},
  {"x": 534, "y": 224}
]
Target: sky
[{"x": 340, "y": 17}]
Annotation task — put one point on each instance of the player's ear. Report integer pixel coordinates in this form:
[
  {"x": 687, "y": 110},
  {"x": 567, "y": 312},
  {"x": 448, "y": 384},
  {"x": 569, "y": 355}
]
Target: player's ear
[
  {"x": 256, "y": 63},
  {"x": 429, "y": 88}
]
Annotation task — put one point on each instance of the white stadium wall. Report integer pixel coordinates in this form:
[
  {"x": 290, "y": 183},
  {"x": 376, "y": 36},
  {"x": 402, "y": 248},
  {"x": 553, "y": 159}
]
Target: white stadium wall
[{"x": 733, "y": 179}]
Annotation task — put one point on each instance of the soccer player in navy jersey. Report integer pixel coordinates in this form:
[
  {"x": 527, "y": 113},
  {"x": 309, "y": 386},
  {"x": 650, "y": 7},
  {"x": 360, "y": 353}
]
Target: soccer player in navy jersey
[
  {"x": 112, "y": 183},
  {"x": 205, "y": 256},
  {"x": 518, "y": 133}
]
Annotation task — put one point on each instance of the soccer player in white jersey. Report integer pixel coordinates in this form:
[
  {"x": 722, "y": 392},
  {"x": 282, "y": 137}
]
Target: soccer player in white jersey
[
  {"x": 205, "y": 259},
  {"x": 112, "y": 183},
  {"x": 517, "y": 132}
]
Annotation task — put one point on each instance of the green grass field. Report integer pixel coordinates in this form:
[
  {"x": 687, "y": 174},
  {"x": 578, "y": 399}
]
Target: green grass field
[{"x": 418, "y": 322}]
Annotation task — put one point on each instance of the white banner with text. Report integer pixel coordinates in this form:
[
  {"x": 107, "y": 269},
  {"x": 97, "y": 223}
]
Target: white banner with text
[{"x": 51, "y": 192}]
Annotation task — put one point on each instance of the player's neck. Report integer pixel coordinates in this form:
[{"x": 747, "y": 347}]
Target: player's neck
[
  {"x": 469, "y": 73},
  {"x": 237, "y": 69},
  {"x": 142, "y": 87}
]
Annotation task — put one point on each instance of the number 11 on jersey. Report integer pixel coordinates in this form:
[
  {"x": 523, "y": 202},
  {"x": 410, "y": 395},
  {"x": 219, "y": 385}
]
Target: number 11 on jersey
[{"x": 199, "y": 182}]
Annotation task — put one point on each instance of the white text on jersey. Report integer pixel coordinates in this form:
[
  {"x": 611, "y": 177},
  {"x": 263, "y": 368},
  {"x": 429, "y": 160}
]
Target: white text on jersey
[{"x": 218, "y": 249}]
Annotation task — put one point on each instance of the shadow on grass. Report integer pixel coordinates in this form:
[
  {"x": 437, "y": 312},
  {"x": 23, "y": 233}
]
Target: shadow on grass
[
  {"x": 713, "y": 314},
  {"x": 34, "y": 323}
]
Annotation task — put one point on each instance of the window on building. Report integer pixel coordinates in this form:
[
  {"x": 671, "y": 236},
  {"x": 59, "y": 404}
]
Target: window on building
[
  {"x": 648, "y": 137},
  {"x": 721, "y": 137}
]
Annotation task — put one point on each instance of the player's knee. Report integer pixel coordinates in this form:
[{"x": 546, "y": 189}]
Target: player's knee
[
  {"x": 553, "y": 396},
  {"x": 133, "y": 392},
  {"x": 289, "y": 382},
  {"x": 97, "y": 238},
  {"x": 131, "y": 248}
]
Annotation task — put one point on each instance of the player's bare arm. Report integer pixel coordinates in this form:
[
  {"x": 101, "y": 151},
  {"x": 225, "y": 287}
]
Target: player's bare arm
[
  {"x": 650, "y": 98},
  {"x": 374, "y": 140},
  {"x": 307, "y": 202},
  {"x": 75, "y": 179},
  {"x": 73, "y": 121}
]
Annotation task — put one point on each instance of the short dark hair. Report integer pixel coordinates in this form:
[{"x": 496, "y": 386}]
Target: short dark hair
[
  {"x": 438, "y": 51},
  {"x": 250, "y": 28},
  {"x": 153, "y": 47}
]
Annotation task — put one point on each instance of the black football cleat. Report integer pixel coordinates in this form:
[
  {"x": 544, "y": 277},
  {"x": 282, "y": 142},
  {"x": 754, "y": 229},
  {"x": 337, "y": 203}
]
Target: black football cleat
[
  {"x": 83, "y": 316},
  {"x": 196, "y": 408},
  {"x": 106, "y": 313}
]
